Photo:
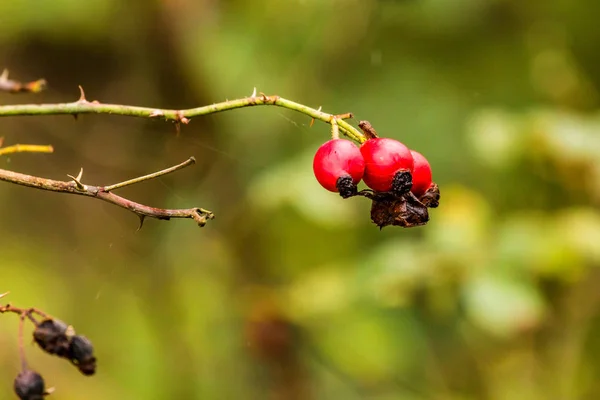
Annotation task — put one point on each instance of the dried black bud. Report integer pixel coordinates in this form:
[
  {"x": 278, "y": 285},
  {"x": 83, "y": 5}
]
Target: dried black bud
[
  {"x": 346, "y": 187},
  {"x": 402, "y": 183},
  {"x": 52, "y": 336},
  {"x": 81, "y": 353},
  {"x": 29, "y": 385}
]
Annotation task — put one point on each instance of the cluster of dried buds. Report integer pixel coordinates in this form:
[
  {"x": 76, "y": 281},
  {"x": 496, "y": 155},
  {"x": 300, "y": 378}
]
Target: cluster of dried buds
[
  {"x": 53, "y": 337},
  {"x": 57, "y": 338}
]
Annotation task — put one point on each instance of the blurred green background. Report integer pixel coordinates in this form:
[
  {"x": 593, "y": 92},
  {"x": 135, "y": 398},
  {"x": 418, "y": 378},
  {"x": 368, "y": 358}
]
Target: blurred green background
[{"x": 291, "y": 292}]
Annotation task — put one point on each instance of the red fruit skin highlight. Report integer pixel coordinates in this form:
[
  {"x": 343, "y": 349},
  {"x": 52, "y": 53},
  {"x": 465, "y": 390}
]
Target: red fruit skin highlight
[
  {"x": 384, "y": 157},
  {"x": 421, "y": 174},
  {"x": 335, "y": 159}
]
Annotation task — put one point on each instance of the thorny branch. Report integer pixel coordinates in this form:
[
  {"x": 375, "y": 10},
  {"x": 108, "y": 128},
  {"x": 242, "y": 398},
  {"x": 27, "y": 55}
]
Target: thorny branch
[
  {"x": 75, "y": 186},
  {"x": 83, "y": 106}
]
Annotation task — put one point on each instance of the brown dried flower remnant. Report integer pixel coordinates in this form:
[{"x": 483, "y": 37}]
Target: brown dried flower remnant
[
  {"x": 54, "y": 337},
  {"x": 406, "y": 210}
]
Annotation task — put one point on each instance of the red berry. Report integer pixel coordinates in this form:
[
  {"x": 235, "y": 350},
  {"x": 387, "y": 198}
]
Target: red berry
[
  {"x": 339, "y": 166},
  {"x": 421, "y": 174},
  {"x": 384, "y": 158}
]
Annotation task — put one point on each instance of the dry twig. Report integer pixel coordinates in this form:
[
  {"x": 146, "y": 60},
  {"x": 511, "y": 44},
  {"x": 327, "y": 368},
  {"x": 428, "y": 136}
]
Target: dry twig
[{"x": 75, "y": 186}]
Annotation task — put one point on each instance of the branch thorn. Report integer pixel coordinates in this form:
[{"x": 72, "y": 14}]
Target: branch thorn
[
  {"x": 82, "y": 98},
  {"x": 181, "y": 118},
  {"x": 312, "y": 121},
  {"x": 4, "y": 76},
  {"x": 4, "y": 294},
  {"x": 77, "y": 180},
  {"x": 142, "y": 218},
  {"x": 253, "y": 93},
  {"x": 157, "y": 113}
]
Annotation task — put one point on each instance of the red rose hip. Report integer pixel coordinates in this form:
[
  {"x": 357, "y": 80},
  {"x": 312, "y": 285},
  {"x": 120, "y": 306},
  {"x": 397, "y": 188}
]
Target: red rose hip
[
  {"x": 421, "y": 175},
  {"x": 388, "y": 165},
  {"x": 338, "y": 166}
]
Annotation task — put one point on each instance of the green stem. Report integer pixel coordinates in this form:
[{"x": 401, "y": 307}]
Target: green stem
[
  {"x": 83, "y": 106},
  {"x": 133, "y": 181}
]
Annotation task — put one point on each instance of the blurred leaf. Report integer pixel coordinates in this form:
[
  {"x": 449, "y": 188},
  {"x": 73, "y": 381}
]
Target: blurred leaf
[
  {"x": 293, "y": 183},
  {"x": 136, "y": 350},
  {"x": 393, "y": 270},
  {"x": 320, "y": 292},
  {"x": 579, "y": 228},
  {"x": 570, "y": 135},
  {"x": 527, "y": 242},
  {"x": 369, "y": 348},
  {"x": 495, "y": 136},
  {"x": 459, "y": 227},
  {"x": 503, "y": 307},
  {"x": 59, "y": 17}
]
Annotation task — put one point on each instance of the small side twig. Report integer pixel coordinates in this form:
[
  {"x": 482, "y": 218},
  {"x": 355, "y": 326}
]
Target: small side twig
[
  {"x": 27, "y": 312},
  {"x": 12, "y": 86},
  {"x": 166, "y": 171},
  {"x": 26, "y": 148},
  {"x": 21, "y": 339},
  {"x": 200, "y": 215}
]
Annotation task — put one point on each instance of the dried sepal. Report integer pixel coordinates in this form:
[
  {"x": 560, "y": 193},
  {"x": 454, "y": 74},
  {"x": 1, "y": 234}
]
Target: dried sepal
[
  {"x": 406, "y": 210},
  {"x": 431, "y": 198}
]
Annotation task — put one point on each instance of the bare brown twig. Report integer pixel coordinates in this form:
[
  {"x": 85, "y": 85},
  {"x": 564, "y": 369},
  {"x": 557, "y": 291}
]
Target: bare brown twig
[{"x": 75, "y": 186}]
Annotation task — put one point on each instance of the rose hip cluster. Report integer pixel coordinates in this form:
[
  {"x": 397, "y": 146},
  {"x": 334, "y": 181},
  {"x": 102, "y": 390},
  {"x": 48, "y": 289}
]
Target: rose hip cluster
[{"x": 400, "y": 179}]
